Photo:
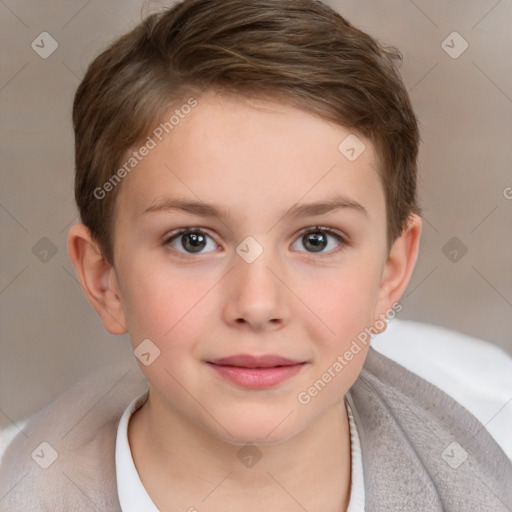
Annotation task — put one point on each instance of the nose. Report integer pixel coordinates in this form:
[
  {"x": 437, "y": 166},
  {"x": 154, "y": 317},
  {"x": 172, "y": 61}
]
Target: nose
[{"x": 257, "y": 299}]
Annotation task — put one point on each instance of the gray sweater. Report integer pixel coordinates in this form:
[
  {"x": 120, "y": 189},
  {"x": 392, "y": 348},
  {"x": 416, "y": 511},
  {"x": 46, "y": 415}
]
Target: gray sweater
[{"x": 421, "y": 450}]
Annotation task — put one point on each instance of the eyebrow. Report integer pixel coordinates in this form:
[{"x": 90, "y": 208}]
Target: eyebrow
[{"x": 298, "y": 210}]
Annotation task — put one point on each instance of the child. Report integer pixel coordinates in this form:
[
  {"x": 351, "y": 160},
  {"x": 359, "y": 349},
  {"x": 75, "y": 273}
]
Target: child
[{"x": 246, "y": 179}]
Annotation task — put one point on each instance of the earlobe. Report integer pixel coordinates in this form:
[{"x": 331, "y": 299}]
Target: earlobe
[
  {"x": 97, "y": 277},
  {"x": 399, "y": 265}
]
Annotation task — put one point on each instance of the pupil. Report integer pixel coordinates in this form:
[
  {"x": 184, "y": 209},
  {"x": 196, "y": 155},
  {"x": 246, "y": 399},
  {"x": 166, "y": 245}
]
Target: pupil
[
  {"x": 316, "y": 241},
  {"x": 193, "y": 242}
]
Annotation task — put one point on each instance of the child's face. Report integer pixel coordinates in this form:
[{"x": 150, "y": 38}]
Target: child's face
[{"x": 198, "y": 303}]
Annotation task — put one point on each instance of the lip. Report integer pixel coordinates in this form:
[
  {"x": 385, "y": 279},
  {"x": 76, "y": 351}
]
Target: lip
[
  {"x": 256, "y": 372},
  {"x": 250, "y": 361}
]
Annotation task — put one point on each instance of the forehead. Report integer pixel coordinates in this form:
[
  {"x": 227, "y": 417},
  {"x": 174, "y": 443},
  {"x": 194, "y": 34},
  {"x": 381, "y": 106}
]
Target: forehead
[{"x": 252, "y": 156}]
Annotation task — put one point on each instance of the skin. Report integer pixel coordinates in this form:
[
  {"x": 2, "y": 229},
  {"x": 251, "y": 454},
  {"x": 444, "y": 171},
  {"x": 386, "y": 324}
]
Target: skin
[{"x": 255, "y": 160}]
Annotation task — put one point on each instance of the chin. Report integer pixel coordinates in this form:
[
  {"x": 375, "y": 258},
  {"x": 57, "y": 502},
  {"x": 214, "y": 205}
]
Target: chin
[{"x": 263, "y": 430}]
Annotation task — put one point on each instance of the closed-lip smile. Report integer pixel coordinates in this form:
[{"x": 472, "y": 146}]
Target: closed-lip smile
[{"x": 256, "y": 372}]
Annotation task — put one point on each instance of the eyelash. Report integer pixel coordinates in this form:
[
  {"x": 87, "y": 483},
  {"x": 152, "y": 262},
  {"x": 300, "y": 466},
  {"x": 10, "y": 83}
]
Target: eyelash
[{"x": 314, "y": 229}]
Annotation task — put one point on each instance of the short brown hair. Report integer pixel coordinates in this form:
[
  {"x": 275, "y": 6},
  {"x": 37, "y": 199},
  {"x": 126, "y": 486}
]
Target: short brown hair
[{"x": 296, "y": 51}]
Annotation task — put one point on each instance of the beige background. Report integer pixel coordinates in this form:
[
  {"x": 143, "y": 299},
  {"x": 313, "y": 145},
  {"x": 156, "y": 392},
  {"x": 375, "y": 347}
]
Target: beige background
[{"x": 51, "y": 337}]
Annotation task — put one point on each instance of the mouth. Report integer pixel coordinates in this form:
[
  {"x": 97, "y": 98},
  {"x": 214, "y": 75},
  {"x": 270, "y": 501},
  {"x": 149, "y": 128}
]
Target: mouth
[{"x": 256, "y": 372}]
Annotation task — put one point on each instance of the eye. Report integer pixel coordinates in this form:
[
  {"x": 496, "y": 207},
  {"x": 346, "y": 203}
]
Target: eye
[
  {"x": 318, "y": 238},
  {"x": 315, "y": 239},
  {"x": 190, "y": 241}
]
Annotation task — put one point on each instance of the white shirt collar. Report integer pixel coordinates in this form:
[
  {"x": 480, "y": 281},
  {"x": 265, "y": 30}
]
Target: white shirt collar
[
  {"x": 133, "y": 497},
  {"x": 132, "y": 494}
]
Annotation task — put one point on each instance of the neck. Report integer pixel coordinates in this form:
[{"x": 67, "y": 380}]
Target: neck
[{"x": 181, "y": 465}]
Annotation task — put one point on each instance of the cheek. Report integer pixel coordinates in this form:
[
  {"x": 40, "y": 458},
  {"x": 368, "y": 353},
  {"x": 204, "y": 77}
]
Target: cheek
[
  {"x": 169, "y": 312},
  {"x": 343, "y": 314},
  {"x": 343, "y": 301},
  {"x": 158, "y": 303}
]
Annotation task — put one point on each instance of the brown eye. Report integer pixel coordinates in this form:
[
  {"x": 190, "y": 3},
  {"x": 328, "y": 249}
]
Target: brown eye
[
  {"x": 316, "y": 242},
  {"x": 318, "y": 239},
  {"x": 191, "y": 241}
]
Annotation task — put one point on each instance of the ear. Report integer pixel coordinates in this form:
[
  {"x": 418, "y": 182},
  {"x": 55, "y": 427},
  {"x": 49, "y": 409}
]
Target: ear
[
  {"x": 97, "y": 277},
  {"x": 399, "y": 266}
]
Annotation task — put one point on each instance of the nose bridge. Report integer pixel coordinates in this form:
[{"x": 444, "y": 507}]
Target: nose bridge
[
  {"x": 253, "y": 263},
  {"x": 256, "y": 293}
]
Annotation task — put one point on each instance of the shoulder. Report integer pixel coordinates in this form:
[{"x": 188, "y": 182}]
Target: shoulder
[
  {"x": 419, "y": 418},
  {"x": 64, "y": 458},
  {"x": 475, "y": 373}
]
